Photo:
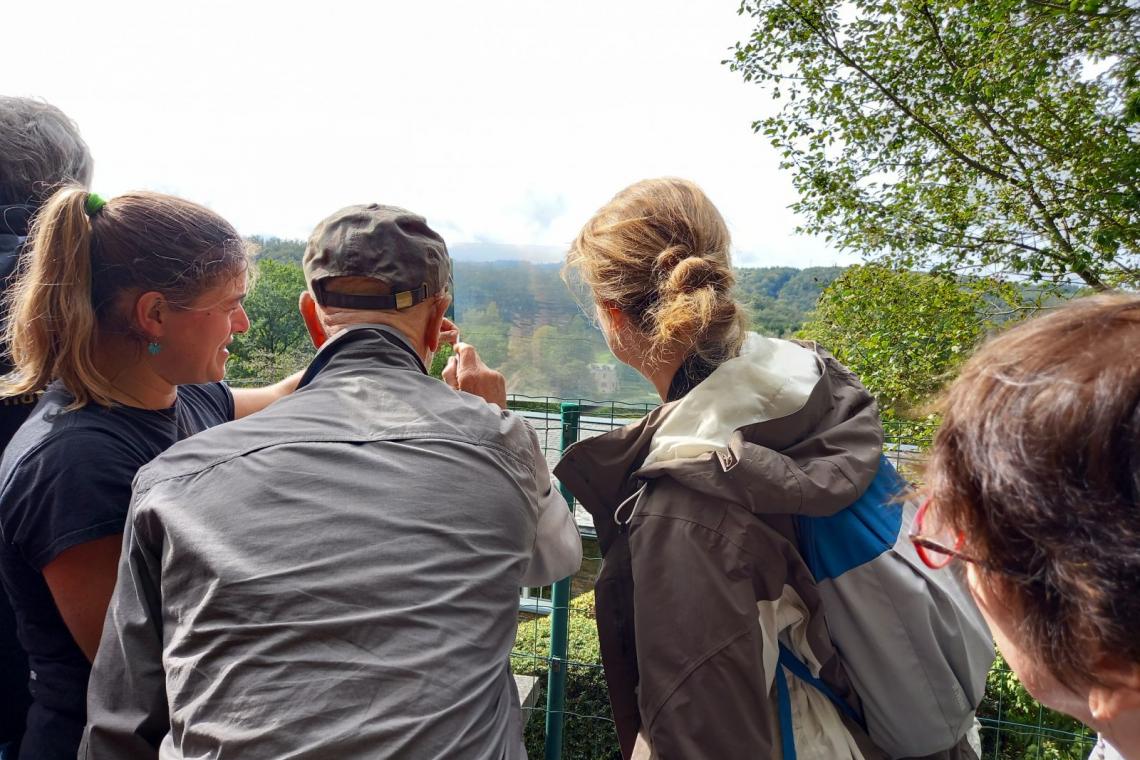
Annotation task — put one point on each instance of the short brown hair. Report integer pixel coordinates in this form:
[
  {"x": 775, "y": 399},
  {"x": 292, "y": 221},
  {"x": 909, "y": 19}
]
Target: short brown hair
[
  {"x": 82, "y": 266},
  {"x": 659, "y": 251},
  {"x": 1037, "y": 461},
  {"x": 40, "y": 150}
]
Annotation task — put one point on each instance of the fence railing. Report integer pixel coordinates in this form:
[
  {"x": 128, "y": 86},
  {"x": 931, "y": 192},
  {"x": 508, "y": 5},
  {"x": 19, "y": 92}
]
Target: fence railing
[{"x": 561, "y": 647}]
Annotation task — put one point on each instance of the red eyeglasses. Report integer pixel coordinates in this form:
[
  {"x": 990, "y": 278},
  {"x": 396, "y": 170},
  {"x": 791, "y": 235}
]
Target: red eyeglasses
[{"x": 937, "y": 544}]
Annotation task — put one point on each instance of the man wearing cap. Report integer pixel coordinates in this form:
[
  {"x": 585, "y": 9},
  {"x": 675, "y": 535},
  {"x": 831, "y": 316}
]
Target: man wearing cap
[{"x": 337, "y": 576}]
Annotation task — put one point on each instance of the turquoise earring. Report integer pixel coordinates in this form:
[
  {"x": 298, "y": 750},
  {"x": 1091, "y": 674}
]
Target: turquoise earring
[{"x": 153, "y": 347}]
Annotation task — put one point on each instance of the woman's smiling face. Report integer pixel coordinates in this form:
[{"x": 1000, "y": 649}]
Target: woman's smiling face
[{"x": 195, "y": 338}]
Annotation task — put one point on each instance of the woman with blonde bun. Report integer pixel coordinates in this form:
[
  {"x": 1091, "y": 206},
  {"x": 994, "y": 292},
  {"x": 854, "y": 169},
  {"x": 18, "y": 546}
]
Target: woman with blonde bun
[
  {"x": 123, "y": 309},
  {"x": 732, "y": 517}
]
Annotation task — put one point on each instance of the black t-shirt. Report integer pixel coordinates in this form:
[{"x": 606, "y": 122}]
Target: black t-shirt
[{"x": 66, "y": 480}]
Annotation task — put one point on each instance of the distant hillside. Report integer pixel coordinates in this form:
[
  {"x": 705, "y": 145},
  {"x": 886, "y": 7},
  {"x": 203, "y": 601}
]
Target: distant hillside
[
  {"x": 547, "y": 254},
  {"x": 780, "y": 298},
  {"x": 526, "y": 323},
  {"x": 287, "y": 251},
  {"x": 527, "y": 295}
]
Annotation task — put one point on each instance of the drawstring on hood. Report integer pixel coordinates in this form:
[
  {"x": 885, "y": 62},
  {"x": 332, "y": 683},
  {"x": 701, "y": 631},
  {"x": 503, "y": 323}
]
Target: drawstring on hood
[{"x": 635, "y": 498}]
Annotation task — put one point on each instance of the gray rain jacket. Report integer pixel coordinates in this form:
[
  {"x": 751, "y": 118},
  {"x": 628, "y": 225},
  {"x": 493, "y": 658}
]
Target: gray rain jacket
[{"x": 334, "y": 577}]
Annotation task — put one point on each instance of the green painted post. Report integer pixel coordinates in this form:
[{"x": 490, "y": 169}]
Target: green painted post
[{"x": 560, "y": 617}]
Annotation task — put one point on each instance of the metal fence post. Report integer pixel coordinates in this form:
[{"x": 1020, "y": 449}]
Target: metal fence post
[{"x": 560, "y": 617}]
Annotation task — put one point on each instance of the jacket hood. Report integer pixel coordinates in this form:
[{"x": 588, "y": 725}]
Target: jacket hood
[
  {"x": 782, "y": 429},
  {"x": 769, "y": 379}
]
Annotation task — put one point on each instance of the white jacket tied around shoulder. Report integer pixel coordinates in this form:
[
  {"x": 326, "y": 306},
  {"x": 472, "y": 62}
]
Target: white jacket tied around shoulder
[{"x": 779, "y": 376}]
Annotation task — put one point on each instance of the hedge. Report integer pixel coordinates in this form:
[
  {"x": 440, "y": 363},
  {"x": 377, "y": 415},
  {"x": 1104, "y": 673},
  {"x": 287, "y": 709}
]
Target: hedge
[
  {"x": 1015, "y": 726},
  {"x": 589, "y": 730}
]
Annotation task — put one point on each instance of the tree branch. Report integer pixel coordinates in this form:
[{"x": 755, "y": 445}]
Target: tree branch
[
  {"x": 939, "y": 137},
  {"x": 1047, "y": 217}
]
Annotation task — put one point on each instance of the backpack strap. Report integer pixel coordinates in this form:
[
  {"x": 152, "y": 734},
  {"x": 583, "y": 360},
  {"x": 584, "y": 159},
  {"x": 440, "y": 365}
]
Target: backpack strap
[
  {"x": 800, "y": 671},
  {"x": 784, "y": 701}
]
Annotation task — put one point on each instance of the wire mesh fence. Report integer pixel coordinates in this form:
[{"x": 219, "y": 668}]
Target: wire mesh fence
[
  {"x": 582, "y": 711},
  {"x": 577, "y": 723}
]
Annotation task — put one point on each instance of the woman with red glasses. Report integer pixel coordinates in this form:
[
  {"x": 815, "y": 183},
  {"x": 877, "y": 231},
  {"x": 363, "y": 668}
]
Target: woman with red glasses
[{"x": 1034, "y": 483}]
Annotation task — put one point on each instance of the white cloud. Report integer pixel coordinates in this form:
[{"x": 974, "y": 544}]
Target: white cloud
[{"x": 509, "y": 121}]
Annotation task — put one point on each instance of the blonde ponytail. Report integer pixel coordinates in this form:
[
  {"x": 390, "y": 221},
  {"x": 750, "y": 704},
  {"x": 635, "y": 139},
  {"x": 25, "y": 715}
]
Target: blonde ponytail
[
  {"x": 80, "y": 274},
  {"x": 51, "y": 322},
  {"x": 659, "y": 251}
]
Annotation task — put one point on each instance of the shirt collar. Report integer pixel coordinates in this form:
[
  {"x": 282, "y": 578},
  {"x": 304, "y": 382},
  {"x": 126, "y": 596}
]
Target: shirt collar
[{"x": 353, "y": 335}]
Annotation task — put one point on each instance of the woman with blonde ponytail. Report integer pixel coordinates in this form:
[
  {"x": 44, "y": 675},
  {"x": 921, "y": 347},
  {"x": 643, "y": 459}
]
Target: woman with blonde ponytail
[
  {"x": 711, "y": 599},
  {"x": 123, "y": 310}
]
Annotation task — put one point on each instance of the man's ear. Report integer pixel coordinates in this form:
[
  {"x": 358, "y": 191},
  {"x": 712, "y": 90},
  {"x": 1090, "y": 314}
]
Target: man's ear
[
  {"x": 435, "y": 323},
  {"x": 148, "y": 314},
  {"x": 312, "y": 320}
]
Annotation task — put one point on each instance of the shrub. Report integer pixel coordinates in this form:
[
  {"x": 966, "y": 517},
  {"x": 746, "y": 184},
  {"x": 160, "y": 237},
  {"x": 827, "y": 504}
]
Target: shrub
[
  {"x": 1015, "y": 726},
  {"x": 589, "y": 731}
]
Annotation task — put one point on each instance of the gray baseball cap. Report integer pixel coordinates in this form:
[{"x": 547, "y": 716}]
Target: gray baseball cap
[{"x": 386, "y": 243}]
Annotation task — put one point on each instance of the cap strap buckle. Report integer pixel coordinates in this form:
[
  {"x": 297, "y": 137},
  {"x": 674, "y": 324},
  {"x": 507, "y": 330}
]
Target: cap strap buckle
[{"x": 402, "y": 300}]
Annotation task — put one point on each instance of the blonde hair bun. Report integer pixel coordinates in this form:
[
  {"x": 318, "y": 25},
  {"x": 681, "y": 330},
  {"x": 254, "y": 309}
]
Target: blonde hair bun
[
  {"x": 659, "y": 251},
  {"x": 694, "y": 273}
]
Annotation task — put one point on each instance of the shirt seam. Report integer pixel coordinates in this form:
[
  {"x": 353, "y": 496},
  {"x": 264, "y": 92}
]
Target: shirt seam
[
  {"x": 147, "y": 483},
  {"x": 714, "y": 531},
  {"x": 689, "y": 671}
]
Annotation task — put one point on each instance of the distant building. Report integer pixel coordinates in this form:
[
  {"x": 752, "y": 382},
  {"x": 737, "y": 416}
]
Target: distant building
[{"x": 605, "y": 377}]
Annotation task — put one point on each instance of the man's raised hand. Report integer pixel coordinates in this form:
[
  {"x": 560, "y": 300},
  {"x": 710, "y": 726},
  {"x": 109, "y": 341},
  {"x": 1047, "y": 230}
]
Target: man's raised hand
[{"x": 466, "y": 372}]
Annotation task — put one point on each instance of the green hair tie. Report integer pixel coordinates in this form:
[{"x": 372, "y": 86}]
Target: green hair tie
[{"x": 95, "y": 204}]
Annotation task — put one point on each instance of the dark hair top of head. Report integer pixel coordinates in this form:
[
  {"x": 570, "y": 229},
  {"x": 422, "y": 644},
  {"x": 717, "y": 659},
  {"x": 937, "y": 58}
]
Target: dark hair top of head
[{"x": 40, "y": 151}]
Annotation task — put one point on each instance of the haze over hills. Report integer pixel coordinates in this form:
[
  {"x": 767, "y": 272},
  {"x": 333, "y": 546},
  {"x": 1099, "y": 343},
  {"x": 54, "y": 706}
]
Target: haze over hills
[
  {"x": 539, "y": 254},
  {"x": 527, "y": 324},
  {"x": 291, "y": 251}
]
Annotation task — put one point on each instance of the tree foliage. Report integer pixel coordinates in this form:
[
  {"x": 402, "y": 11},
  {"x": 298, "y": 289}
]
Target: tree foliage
[
  {"x": 778, "y": 299},
  {"x": 439, "y": 361},
  {"x": 279, "y": 249},
  {"x": 1016, "y": 726},
  {"x": 519, "y": 316},
  {"x": 555, "y": 360},
  {"x": 959, "y": 133},
  {"x": 277, "y": 342},
  {"x": 905, "y": 333},
  {"x": 486, "y": 329}
]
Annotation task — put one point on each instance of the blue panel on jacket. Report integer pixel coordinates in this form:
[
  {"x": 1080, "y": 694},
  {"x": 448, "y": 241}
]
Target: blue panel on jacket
[{"x": 856, "y": 535}]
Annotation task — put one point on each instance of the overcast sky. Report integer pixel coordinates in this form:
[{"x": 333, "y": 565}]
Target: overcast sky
[{"x": 503, "y": 121}]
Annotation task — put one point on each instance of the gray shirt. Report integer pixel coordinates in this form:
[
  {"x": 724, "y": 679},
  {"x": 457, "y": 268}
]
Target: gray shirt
[{"x": 336, "y": 576}]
